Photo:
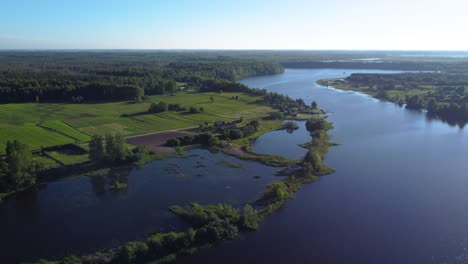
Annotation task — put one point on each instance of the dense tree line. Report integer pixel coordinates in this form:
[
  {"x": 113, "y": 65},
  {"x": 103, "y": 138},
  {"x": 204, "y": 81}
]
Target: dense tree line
[
  {"x": 285, "y": 103},
  {"x": 405, "y": 81},
  {"x": 78, "y": 77},
  {"x": 228, "y": 70},
  {"x": 397, "y": 65},
  {"x": 205, "y": 139},
  {"x": 442, "y": 94}
]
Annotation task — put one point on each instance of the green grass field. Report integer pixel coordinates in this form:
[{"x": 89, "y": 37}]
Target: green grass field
[
  {"x": 68, "y": 158},
  {"x": 32, "y": 135},
  {"x": 60, "y": 127},
  {"x": 49, "y": 124},
  {"x": 46, "y": 162}
]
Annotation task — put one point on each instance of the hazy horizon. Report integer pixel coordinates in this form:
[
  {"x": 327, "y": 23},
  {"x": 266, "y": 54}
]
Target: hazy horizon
[
  {"x": 234, "y": 25},
  {"x": 247, "y": 49}
]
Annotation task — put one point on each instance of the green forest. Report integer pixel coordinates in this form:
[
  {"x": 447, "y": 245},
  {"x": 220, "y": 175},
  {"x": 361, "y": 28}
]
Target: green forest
[
  {"x": 443, "y": 95},
  {"x": 88, "y": 77}
]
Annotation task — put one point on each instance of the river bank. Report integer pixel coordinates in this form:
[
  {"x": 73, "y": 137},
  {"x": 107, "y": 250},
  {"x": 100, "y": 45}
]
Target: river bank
[
  {"x": 442, "y": 96},
  {"x": 397, "y": 196},
  {"x": 212, "y": 224}
]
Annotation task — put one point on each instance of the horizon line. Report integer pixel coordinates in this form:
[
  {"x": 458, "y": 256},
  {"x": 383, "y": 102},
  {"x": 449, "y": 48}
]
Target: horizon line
[{"x": 220, "y": 49}]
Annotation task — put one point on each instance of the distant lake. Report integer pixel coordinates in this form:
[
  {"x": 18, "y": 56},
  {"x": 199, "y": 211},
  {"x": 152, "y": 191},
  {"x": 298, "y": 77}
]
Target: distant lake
[{"x": 399, "y": 194}]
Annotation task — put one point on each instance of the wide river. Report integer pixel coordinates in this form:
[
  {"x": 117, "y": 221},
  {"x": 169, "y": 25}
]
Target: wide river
[{"x": 399, "y": 194}]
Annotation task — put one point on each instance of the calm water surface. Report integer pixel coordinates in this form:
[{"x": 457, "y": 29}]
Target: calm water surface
[
  {"x": 82, "y": 215},
  {"x": 399, "y": 194},
  {"x": 284, "y": 143}
]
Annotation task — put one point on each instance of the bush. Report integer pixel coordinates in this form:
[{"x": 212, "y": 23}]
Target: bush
[
  {"x": 290, "y": 125},
  {"x": 157, "y": 108},
  {"x": 277, "y": 115},
  {"x": 173, "y": 142},
  {"x": 194, "y": 110},
  {"x": 248, "y": 130},
  {"x": 200, "y": 215},
  {"x": 216, "y": 231},
  {"x": 255, "y": 124},
  {"x": 233, "y": 134},
  {"x": 162, "y": 244},
  {"x": 133, "y": 252},
  {"x": 138, "y": 100},
  {"x": 139, "y": 153},
  {"x": 72, "y": 260},
  {"x": 206, "y": 139},
  {"x": 250, "y": 217},
  {"x": 317, "y": 123},
  {"x": 314, "y": 159},
  {"x": 277, "y": 191},
  {"x": 175, "y": 107}
]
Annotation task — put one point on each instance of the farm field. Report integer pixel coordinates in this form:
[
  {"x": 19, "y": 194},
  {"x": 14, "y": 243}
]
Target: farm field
[
  {"x": 60, "y": 127},
  {"x": 68, "y": 158},
  {"x": 32, "y": 135},
  {"x": 49, "y": 124}
]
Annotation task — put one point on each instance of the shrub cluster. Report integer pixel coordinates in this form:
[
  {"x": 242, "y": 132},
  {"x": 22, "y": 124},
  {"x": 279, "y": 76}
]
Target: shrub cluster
[{"x": 206, "y": 139}]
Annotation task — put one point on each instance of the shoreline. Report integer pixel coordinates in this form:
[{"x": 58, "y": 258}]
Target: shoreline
[
  {"x": 452, "y": 118},
  {"x": 62, "y": 171},
  {"x": 276, "y": 195}
]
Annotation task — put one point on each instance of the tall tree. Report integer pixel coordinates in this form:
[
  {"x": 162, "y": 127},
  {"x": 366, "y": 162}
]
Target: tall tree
[
  {"x": 21, "y": 168},
  {"x": 96, "y": 149},
  {"x": 109, "y": 146},
  {"x": 4, "y": 179},
  {"x": 170, "y": 86},
  {"x": 119, "y": 149},
  {"x": 313, "y": 105},
  {"x": 115, "y": 150}
]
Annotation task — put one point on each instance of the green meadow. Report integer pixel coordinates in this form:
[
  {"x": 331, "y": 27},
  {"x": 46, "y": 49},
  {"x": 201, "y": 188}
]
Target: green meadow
[{"x": 48, "y": 124}]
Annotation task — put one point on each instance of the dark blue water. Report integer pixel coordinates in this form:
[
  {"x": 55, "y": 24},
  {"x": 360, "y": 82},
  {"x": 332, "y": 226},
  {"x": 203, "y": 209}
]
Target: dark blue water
[
  {"x": 82, "y": 215},
  {"x": 399, "y": 194},
  {"x": 283, "y": 142}
]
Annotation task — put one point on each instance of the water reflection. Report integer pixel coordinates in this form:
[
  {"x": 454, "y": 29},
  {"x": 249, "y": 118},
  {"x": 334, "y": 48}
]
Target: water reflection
[
  {"x": 98, "y": 184},
  {"x": 26, "y": 206},
  {"x": 84, "y": 214},
  {"x": 284, "y": 142},
  {"x": 451, "y": 121}
]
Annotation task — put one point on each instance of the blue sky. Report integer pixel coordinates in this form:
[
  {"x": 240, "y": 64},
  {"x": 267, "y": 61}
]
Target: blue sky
[{"x": 239, "y": 24}]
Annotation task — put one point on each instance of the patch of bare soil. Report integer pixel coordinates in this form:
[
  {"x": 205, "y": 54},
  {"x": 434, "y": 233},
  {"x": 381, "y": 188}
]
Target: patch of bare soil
[{"x": 156, "y": 141}]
